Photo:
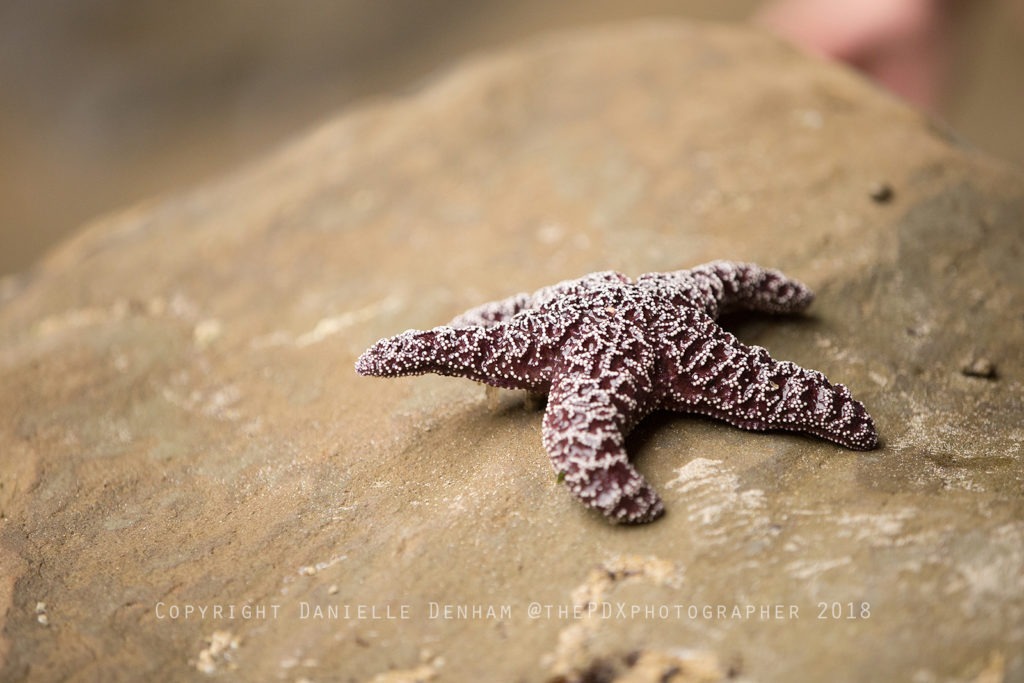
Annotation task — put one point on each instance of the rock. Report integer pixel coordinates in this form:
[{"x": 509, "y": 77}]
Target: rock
[{"x": 185, "y": 449}]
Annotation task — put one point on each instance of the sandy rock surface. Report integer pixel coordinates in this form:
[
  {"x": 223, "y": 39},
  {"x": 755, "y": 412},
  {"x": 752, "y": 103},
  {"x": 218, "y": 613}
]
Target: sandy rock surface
[{"x": 194, "y": 482}]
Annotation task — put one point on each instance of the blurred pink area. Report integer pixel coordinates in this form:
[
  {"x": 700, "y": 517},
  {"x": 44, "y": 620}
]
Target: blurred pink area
[{"x": 904, "y": 45}]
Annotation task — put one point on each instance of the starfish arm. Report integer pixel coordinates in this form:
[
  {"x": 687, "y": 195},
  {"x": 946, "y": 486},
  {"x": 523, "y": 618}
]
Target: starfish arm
[
  {"x": 595, "y": 400},
  {"x": 708, "y": 371},
  {"x": 511, "y": 355},
  {"x": 494, "y": 312},
  {"x": 724, "y": 286}
]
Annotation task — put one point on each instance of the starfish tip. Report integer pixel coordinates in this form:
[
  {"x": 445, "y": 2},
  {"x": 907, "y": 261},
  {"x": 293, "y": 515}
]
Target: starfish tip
[{"x": 363, "y": 366}]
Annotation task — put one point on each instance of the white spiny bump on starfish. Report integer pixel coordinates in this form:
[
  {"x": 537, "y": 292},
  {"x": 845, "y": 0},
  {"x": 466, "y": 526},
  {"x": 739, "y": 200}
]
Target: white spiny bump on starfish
[{"x": 609, "y": 350}]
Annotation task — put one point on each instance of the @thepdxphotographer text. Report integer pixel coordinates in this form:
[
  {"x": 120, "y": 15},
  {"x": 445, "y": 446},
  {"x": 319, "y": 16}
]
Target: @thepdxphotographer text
[
  {"x": 604, "y": 610},
  {"x": 697, "y": 612}
]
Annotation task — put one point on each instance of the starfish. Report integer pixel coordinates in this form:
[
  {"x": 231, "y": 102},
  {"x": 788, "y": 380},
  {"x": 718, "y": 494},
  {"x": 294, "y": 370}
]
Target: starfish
[{"x": 609, "y": 350}]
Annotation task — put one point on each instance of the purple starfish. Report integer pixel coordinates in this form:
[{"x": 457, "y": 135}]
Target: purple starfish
[{"x": 609, "y": 351}]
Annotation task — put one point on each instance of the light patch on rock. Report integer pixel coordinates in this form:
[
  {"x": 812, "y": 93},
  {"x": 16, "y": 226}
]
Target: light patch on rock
[
  {"x": 952, "y": 478},
  {"x": 423, "y": 672},
  {"x": 206, "y": 332},
  {"x": 182, "y": 307},
  {"x": 310, "y": 570},
  {"x": 327, "y": 327},
  {"x": 297, "y": 661},
  {"x": 572, "y": 656},
  {"x": 879, "y": 529},
  {"x": 878, "y": 378},
  {"x": 985, "y": 575},
  {"x": 994, "y": 671},
  {"x": 550, "y": 233},
  {"x": 82, "y": 317},
  {"x": 219, "y": 652},
  {"x": 811, "y": 119},
  {"x": 275, "y": 338},
  {"x": 614, "y": 571},
  {"x": 216, "y": 403},
  {"x": 714, "y": 501},
  {"x": 928, "y": 430},
  {"x": 803, "y": 570},
  {"x": 457, "y": 503},
  {"x": 88, "y": 316}
]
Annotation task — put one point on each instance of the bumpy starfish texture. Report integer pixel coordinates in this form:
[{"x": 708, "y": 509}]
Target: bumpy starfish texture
[{"x": 609, "y": 350}]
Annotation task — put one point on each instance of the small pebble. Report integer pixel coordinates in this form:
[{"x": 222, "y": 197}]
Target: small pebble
[
  {"x": 881, "y": 193},
  {"x": 979, "y": 367}
]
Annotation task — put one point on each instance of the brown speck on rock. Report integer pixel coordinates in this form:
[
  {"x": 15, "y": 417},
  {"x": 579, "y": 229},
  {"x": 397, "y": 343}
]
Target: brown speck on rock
[
  {"x": 979, "y": 366},
  {"x": 881, "y": 193}
]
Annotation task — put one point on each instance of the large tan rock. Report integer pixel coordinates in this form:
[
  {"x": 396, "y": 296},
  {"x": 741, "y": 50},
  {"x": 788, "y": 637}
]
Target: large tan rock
[{"x": 182, "y": 427}]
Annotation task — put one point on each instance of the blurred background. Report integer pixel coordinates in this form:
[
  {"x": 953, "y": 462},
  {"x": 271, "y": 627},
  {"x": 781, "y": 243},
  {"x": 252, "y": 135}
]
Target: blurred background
[{"x": 105, "y": 102}]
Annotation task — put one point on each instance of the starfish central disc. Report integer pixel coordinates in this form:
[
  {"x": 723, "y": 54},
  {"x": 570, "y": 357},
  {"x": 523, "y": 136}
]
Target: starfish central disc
[{"x": 609, "y": 350}]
